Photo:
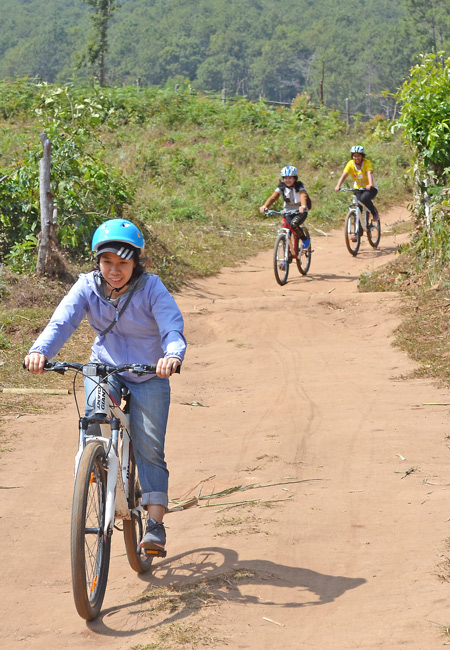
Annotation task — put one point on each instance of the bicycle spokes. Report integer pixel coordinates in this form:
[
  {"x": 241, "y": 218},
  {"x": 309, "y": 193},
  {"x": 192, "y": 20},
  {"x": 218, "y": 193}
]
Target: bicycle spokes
[
  {"x": 373, "y": 231},
  {"x": 281, "y": 259},
  {"x": 352, "y": 232},
  {"x": 90, "y": 541}
]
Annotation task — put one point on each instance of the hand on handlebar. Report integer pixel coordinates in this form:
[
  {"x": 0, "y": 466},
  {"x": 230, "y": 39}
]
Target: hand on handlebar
[
  {"x": 167, "y": 366},
  {"x": 35, "y": 363},
  {"x": 263, "y": 209}
]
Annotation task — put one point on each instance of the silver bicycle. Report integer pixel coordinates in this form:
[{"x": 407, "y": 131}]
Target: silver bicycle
[
  {"x": 107, "y": 488},
  {"x": 359, "y": 219}
]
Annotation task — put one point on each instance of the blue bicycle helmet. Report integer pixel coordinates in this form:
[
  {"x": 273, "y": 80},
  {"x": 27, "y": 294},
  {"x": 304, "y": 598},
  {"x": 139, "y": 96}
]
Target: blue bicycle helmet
[
  {"x": 118, "y": 236},
  {"x": 357, "y": 148},
  {"x": 289, "y": 170}
]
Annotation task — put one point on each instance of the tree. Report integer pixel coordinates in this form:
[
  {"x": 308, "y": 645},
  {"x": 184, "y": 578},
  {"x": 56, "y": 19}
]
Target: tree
[
  {"x": 98, "y": 46},
  {"x": 429, "y": 23}
]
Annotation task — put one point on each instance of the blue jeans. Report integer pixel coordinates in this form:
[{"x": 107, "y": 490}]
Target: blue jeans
[{"x": 149, "y": 410}]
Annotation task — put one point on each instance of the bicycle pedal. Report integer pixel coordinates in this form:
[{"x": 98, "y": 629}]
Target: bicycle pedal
[{"x": 153, "y": 552}]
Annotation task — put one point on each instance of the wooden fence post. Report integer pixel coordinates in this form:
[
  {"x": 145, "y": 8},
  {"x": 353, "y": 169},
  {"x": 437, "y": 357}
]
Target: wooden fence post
[{"x": 46, "y": 204}]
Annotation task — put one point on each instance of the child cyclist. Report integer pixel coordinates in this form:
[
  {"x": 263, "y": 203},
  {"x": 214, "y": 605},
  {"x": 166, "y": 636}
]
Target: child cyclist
[
  {"x": 295, "y": 197},
  {"x": 136, "y": 321},
  {"x": 361, "y": 170}
]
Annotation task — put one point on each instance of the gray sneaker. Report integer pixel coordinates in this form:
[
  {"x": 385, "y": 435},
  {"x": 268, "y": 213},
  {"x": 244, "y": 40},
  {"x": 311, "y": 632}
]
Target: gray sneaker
[{"x": 155, "y": 535}]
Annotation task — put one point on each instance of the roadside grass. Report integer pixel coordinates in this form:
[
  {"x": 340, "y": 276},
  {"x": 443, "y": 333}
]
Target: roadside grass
[
  {"x": 26, "y": 305},
  {"x": 424, "y": 333}
]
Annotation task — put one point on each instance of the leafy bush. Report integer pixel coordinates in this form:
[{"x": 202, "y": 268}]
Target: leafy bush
[
  {"x": 86, "y": 190},
  {"x": 425, "y": 115},
  {"x": 17, "y": 98},
  {"x": 425, "y": 120}
]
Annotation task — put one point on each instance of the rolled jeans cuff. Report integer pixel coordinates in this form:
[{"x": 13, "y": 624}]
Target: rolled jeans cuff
[{"x": 155, "y": 499}]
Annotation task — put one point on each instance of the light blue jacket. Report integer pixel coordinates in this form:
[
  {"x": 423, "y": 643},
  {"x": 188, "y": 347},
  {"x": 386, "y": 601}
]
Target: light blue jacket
[{"x": 151, "y": 326}]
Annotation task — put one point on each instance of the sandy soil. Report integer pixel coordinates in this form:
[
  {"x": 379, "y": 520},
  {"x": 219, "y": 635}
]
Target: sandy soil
[{"x": 298, "y": 392}]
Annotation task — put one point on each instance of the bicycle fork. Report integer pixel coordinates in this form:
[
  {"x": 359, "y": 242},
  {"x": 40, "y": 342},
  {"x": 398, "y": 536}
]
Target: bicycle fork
[{"x": 116, "y": 502}]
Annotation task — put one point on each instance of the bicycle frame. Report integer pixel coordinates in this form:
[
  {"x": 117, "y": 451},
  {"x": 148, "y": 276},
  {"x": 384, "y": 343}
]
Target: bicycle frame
[
  {"x": 286, "y": 232},
  {"x": 111, "y": 418},
  {"x": 360, "y": 209},
  {"x": 358, "y": 221}
]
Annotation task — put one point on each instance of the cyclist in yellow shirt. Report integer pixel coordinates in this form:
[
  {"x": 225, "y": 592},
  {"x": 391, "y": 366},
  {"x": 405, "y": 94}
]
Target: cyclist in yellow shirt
[{"x": 361, "y": 170}]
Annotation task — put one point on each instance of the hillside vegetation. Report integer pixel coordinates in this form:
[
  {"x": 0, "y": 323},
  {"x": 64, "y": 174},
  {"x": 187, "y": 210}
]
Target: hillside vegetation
[
  {"x": 253, "y": 48},
  {"x": 188, "y": 169},
  {"x": 191, "y": 170}
]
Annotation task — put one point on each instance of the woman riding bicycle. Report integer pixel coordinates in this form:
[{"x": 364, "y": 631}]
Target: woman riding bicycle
[
  {"x": 361, "y": 170},
  {"x": 136, "y": 321},
  {"x": 295, "y": 198}
]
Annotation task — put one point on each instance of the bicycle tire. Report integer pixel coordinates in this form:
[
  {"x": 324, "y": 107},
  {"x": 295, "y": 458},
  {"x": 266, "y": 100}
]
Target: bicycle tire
[
  {"x": 281, "y": 259},
  {"x": 134, "y": 528},
  {"x": 352, "y": 231},
  {"x": 90, "y": 543},
  {"x": 303, "y": 254},
  {"x": 373, "y": 230}
]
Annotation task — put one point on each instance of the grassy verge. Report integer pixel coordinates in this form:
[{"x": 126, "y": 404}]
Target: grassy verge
[{"x": 424, "y": 333}]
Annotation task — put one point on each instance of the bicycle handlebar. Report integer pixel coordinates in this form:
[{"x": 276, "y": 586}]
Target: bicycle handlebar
[
  {"x": 282, "y": 214},
  {"x": 100, "y": 369}
]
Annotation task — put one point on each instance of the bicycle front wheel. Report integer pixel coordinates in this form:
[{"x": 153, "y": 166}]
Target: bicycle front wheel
[
  {"x": 281, "y": 259},
  {"x": 134, "y": 528},
  {"x": 373, "y": 230},
  {"x": 303, "y": 254},
  {"x": 352, "y": 233},
  {"x": 90, "y": 542}
]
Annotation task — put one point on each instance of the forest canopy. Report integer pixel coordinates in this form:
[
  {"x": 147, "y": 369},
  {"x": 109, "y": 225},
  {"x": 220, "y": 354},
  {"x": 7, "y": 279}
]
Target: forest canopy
[{"x": 356, "y": 50}]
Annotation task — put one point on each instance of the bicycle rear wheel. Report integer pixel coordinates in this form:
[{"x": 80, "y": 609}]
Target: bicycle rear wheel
[
  {"x": 281, "y": 259},
  {"x": 90, "y": 542},
  {"x": 134, "y": 528},
  {"x": 303, "y": 254},
  {"x": 373, "y": 230},
  {"x": 352, "y": 233}
]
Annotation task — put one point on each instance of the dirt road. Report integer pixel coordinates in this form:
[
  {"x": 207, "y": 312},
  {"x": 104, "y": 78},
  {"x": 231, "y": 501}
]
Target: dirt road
[{"x": 296, "y": 393}]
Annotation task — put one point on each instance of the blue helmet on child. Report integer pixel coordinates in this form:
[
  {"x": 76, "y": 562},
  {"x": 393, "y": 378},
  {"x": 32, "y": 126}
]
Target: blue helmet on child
[
  {"x": 357, "y": 148},
  {"x": 289, "y": 170},
  {"x": 118, "y": 236}
]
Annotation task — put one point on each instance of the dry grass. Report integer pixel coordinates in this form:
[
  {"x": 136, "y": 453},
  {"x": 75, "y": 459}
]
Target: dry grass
[
  {"x": 193, "y": 596},
  {"x": 184, "y": 636},
  {"x": 424, "y": 333},
  {"x": 26, "y": 306},
  {"x": 189, "y": 600},
  {"x": 244, "y": 525}
]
